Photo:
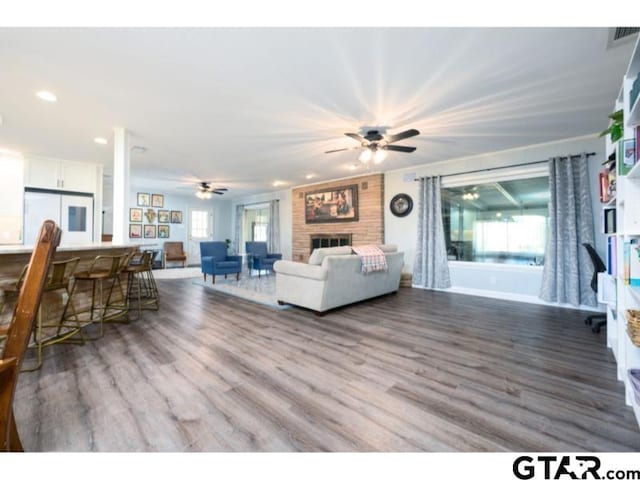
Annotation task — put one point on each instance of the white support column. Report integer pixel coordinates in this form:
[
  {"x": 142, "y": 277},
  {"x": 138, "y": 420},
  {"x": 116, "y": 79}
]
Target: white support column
[{"x": 120, "y": 184}]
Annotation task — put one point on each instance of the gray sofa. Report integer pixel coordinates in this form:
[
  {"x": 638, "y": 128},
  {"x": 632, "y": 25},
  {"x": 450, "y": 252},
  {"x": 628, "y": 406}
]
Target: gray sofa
[{"x": 333, "y": 278}]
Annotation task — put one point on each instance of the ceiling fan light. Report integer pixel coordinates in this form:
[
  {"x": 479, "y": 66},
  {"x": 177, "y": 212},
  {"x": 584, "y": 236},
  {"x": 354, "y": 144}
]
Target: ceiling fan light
[
  {"x": 204, "y": 195},
  {"x": 379, "y": 156},
  {"x": 365, "y": 156}
]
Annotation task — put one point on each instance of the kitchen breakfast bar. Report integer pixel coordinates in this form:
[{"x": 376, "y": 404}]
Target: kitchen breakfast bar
[{"x": 87, "y": 285}]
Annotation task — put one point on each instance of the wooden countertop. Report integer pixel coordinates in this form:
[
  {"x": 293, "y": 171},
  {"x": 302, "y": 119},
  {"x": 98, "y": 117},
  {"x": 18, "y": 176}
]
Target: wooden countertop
[{"x": 16, "y": 249}]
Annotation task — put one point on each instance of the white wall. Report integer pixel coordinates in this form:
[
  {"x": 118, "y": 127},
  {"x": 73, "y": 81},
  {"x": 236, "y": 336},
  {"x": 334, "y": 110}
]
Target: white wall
[
  {"x": 286, "y": 228},
  {"x": 517, "y": 282},
  {"x": 11, "y": 206}
]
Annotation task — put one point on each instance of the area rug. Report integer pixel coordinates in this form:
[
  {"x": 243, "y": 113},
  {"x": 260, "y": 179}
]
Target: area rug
[
  {"x": 253, "y": 289},
  {"x": 173, "y": 273}
]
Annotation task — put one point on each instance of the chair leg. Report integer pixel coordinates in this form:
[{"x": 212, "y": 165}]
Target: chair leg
[
  {"x": 213, "y": 279},
  {"x": 237, "y": 276},
  {"x": 205, "y": 277}
]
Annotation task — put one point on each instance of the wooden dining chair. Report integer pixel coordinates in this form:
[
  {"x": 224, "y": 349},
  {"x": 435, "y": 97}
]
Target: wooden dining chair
[{"x": 19, "y": 331}]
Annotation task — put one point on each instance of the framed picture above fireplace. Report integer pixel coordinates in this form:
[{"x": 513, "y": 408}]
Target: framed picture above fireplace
[{"x": 332, "y": 205}]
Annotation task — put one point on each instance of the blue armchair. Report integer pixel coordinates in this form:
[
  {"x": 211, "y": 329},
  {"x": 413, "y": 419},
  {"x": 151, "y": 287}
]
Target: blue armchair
[
  {"x": 258, "y": 257},
  {"x": 215, "y": 261}
]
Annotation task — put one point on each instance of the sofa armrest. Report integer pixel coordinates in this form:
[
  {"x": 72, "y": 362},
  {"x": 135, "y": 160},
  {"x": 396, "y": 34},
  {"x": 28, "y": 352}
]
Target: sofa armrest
[
  {"x": 275, "y": 255},
  {"x": 297, "y": 269},
  {"x": 233, "y": 258}
]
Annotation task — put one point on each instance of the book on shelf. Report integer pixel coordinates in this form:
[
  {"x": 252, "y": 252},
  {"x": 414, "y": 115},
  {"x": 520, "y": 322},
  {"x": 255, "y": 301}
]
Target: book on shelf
[
  {"x": 609, "y": 220},
  {"x": 634, "y": 264},
  {"x": 633, "y": 94},
  {"x": 612, "y": 256},
  {"x": 604, "y": 186},
  {"x": 631, "y": 274},
  {"x": 637, "y": 130},
  {"x": 607, "y": 179},
  {"x": 627, "y": 156}
]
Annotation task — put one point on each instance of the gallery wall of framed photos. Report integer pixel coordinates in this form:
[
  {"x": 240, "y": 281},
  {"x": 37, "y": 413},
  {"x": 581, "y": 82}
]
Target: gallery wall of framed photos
[{"x": 151, "y": 217}]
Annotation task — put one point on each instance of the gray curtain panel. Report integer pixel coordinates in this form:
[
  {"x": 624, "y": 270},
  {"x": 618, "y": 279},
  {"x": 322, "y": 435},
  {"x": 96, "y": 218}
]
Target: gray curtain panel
[
  {"x": 238, "y": 232},
  {"x": 430, "y": 269},
  {"x": 567, "y": 267},
  {"x": 273, "y": 239}
]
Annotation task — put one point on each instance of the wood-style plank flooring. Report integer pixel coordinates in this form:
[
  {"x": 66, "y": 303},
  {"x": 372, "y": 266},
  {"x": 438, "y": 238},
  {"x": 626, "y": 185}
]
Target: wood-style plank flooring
[{"x": 416, "y": 371}]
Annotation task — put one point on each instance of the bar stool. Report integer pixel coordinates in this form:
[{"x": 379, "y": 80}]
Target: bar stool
[
  {"x": 66, "y": 327},
  {"x": 104, "y": 268},
  {"x": 11, "y": 288},
  {"x": 134, "y": 270},
  {"x": 149, "y": 280}
]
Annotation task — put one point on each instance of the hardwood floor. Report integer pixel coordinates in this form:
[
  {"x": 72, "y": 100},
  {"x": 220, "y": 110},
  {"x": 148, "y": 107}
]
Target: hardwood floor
[{"x": 416, "y": 371}]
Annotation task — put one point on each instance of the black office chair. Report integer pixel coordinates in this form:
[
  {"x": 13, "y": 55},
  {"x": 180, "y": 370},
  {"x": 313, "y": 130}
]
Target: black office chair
[{"x": 598, "y": 266}]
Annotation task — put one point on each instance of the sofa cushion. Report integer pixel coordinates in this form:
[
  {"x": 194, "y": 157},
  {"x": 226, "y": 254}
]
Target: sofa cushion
[{"x": 319, "y": 253}]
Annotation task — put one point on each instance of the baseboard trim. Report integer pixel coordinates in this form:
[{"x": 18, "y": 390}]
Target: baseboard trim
[{"x": 514, "y": 297}]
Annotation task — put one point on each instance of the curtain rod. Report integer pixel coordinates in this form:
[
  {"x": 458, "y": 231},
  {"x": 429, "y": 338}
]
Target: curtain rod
[
  {"x": 505, "y": 166},
  {"x": 256, "y": 203}
]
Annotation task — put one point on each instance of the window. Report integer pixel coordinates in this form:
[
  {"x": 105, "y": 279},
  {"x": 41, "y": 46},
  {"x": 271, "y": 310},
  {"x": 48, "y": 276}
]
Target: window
[
  {"x": 255, "y": 224},
  {"x": 199, "y": 224},
  {"x": 259, "y": 232},
  {"x": 502, "y": 221}
]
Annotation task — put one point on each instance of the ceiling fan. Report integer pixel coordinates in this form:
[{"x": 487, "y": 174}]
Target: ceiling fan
[
  {"x": 204, "y": 190},
  {"x": 375, "y": 144}
]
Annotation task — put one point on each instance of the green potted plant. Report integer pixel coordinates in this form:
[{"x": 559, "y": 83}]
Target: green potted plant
[{"x": 616, "y": 128}]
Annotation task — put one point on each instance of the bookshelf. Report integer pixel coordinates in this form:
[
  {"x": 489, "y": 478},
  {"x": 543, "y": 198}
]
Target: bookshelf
[{"x": 618, "y": 294}]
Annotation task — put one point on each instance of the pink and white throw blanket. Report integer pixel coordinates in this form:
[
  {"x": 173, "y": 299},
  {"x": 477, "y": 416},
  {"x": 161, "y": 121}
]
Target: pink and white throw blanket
[{"x": 372, "y": 258}]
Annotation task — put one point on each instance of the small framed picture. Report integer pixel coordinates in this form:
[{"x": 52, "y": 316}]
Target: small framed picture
[
  {"x": 629, "y": 150},
  {"x": 164, "y": 216},
  {"x": 176, "y": 216},
  {"x": 150, "y": 214},
  {"x": 149, "y": 231},
  {"x": 135, "y": 230},
  {"x": 157, "y": 200},
  {"x": 135, "y": 214},
  {"x": 163, "y": 231},
  {"x": 143, "y": 200}
]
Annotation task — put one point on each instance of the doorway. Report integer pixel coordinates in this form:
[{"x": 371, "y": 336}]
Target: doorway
[{"x": 200, "y": 225}]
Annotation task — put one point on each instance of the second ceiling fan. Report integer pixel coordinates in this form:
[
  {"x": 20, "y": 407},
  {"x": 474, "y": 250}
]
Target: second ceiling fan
[{"x": 375, "y": 144}]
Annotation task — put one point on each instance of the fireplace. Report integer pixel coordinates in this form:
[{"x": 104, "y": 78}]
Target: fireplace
[{"x": 330, "y": 240}]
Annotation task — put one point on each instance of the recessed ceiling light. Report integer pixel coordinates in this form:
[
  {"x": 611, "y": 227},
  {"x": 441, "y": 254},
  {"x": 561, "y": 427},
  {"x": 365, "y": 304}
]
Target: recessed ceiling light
[
  {"x": 100, "y": 140},
  {"x": 278, "y": 183},
  {"x": 46, "y": 96},
  {"x": 310, "y": 176},
  {"x": 352, "y": 166}
]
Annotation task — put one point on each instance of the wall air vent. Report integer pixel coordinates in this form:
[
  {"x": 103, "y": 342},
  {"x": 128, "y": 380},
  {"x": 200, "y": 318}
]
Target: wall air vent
[{"x": 621, "y": 35}]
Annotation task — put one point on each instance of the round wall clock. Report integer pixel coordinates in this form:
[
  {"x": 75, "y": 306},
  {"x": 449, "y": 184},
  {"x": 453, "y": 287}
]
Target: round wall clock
[{"x": 401, "y": 205}]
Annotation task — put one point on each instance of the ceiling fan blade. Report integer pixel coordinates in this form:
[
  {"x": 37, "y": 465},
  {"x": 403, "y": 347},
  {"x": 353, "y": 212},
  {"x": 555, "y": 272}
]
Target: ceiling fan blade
[
  {"x": 357, "y": 137},
  {"x": 402, "y": 135},
  {"x": 217, "y": 192},
  {"x": 221, "y": 189},
  {"x": 400, "y": 148},
  {"x": 338, "y": 150}
]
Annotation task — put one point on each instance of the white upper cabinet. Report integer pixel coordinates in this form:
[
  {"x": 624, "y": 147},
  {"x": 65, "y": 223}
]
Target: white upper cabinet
[
  {"x": 56, "y": 174},
  {"x": 42, "y": 173}
]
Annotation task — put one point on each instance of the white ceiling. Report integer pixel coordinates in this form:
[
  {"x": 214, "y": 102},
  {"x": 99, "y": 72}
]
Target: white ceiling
[{"x": 244, "y": 107}]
